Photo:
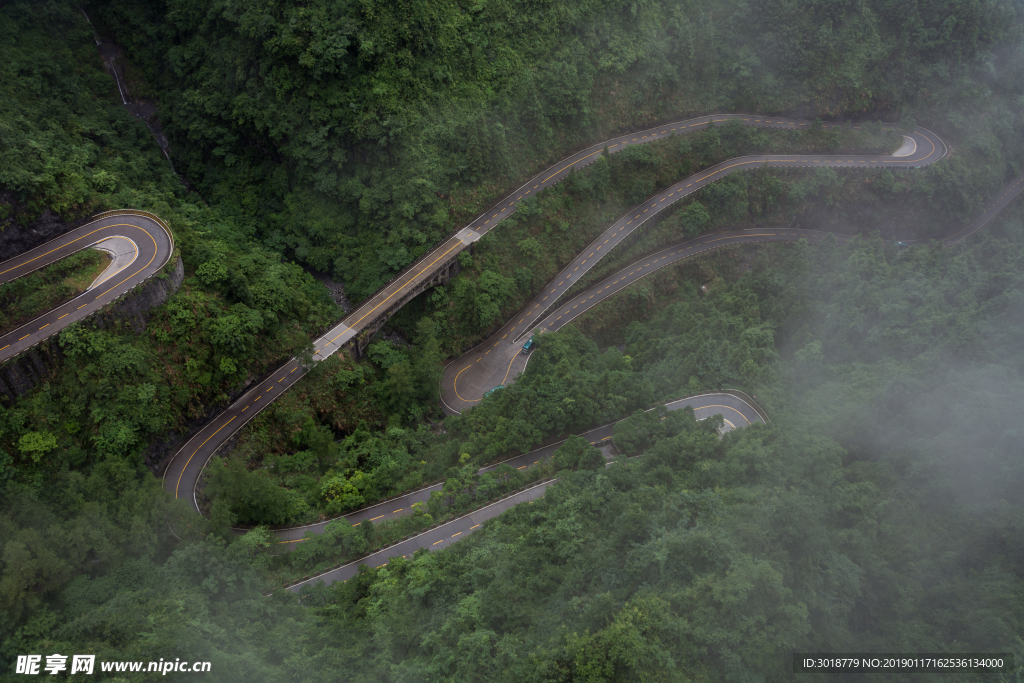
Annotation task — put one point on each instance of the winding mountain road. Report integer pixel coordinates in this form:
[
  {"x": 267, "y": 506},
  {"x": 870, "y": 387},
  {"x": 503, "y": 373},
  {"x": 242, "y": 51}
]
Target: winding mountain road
[
  {"x": 494, "y": 362},
  {"x": 466, "y": 379},
  {"x": 184, "y": 471},
  {"x": 154, "y": 245}
]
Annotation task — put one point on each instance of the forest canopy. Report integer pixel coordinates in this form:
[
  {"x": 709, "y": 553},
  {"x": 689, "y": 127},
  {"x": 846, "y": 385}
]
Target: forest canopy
[
  {"x": 880, "y": 509},
  {"x": 354, "y": 135}
]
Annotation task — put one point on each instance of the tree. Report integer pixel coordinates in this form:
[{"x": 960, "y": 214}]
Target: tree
[
  {"x": 253, "y": 497},
  {"x": 37, "y": 444},
  {"x": 400, "y": 390},
  {"x": 428, "y": 362},
  {"x": 344, "y": 493},
  {"x": 478, "y": 303},
  {"x": 693, "y": 218},
  {"x": 577, "y": 453}
]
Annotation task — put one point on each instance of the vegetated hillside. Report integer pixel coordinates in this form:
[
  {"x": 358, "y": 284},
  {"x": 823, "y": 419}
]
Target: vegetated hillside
[
  {"x": 69, "y": 149},
  {"x": 892, "y": 460},
  {"x": 496, "y": 281},
  {"x": 880, "y": 509},
  {"x": 354, "y": 135},
  {"x": 23, "y": 299}
]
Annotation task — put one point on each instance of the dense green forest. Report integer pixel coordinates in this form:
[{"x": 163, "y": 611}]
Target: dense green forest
[
  {"x": 881, "y": 509},
  {"x": 862, "y": 518},
  {"x": 70, "y": 148},
  {"x": 352, "y": 136}
]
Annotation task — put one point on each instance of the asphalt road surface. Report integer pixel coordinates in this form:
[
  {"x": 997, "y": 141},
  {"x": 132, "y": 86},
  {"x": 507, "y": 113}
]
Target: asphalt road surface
[
  {"x": 154, "y": 246},
  {"x": 469, "y": 377},
  {"x": 183, "y": 473}
]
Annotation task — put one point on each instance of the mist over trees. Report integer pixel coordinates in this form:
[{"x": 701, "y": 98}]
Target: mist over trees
[{"x": 880, "y": 510}]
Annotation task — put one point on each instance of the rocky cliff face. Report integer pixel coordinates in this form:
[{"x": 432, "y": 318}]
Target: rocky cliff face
[
  {"x": 136, "y": 304},
  {"x": 18, "y": 238}
]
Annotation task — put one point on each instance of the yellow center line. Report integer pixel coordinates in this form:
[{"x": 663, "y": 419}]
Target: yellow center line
[
  {"x": 194, "y": 454},
  {"x": 155, "y": 250},
  {"x": 572, "y": 164},
  {"x": 105, "y": 227},
  {"x": 509, "y": 368},
  {"x": 455, "y": 385}
]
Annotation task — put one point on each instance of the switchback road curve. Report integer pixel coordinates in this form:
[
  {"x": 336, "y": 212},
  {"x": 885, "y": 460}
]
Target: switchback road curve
[
  {"x": 183, "y": 472},
  {"x": 466, "y": 379},
  {"x": 493, "y": 363},
  {"x": 153, "y": 248}
]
